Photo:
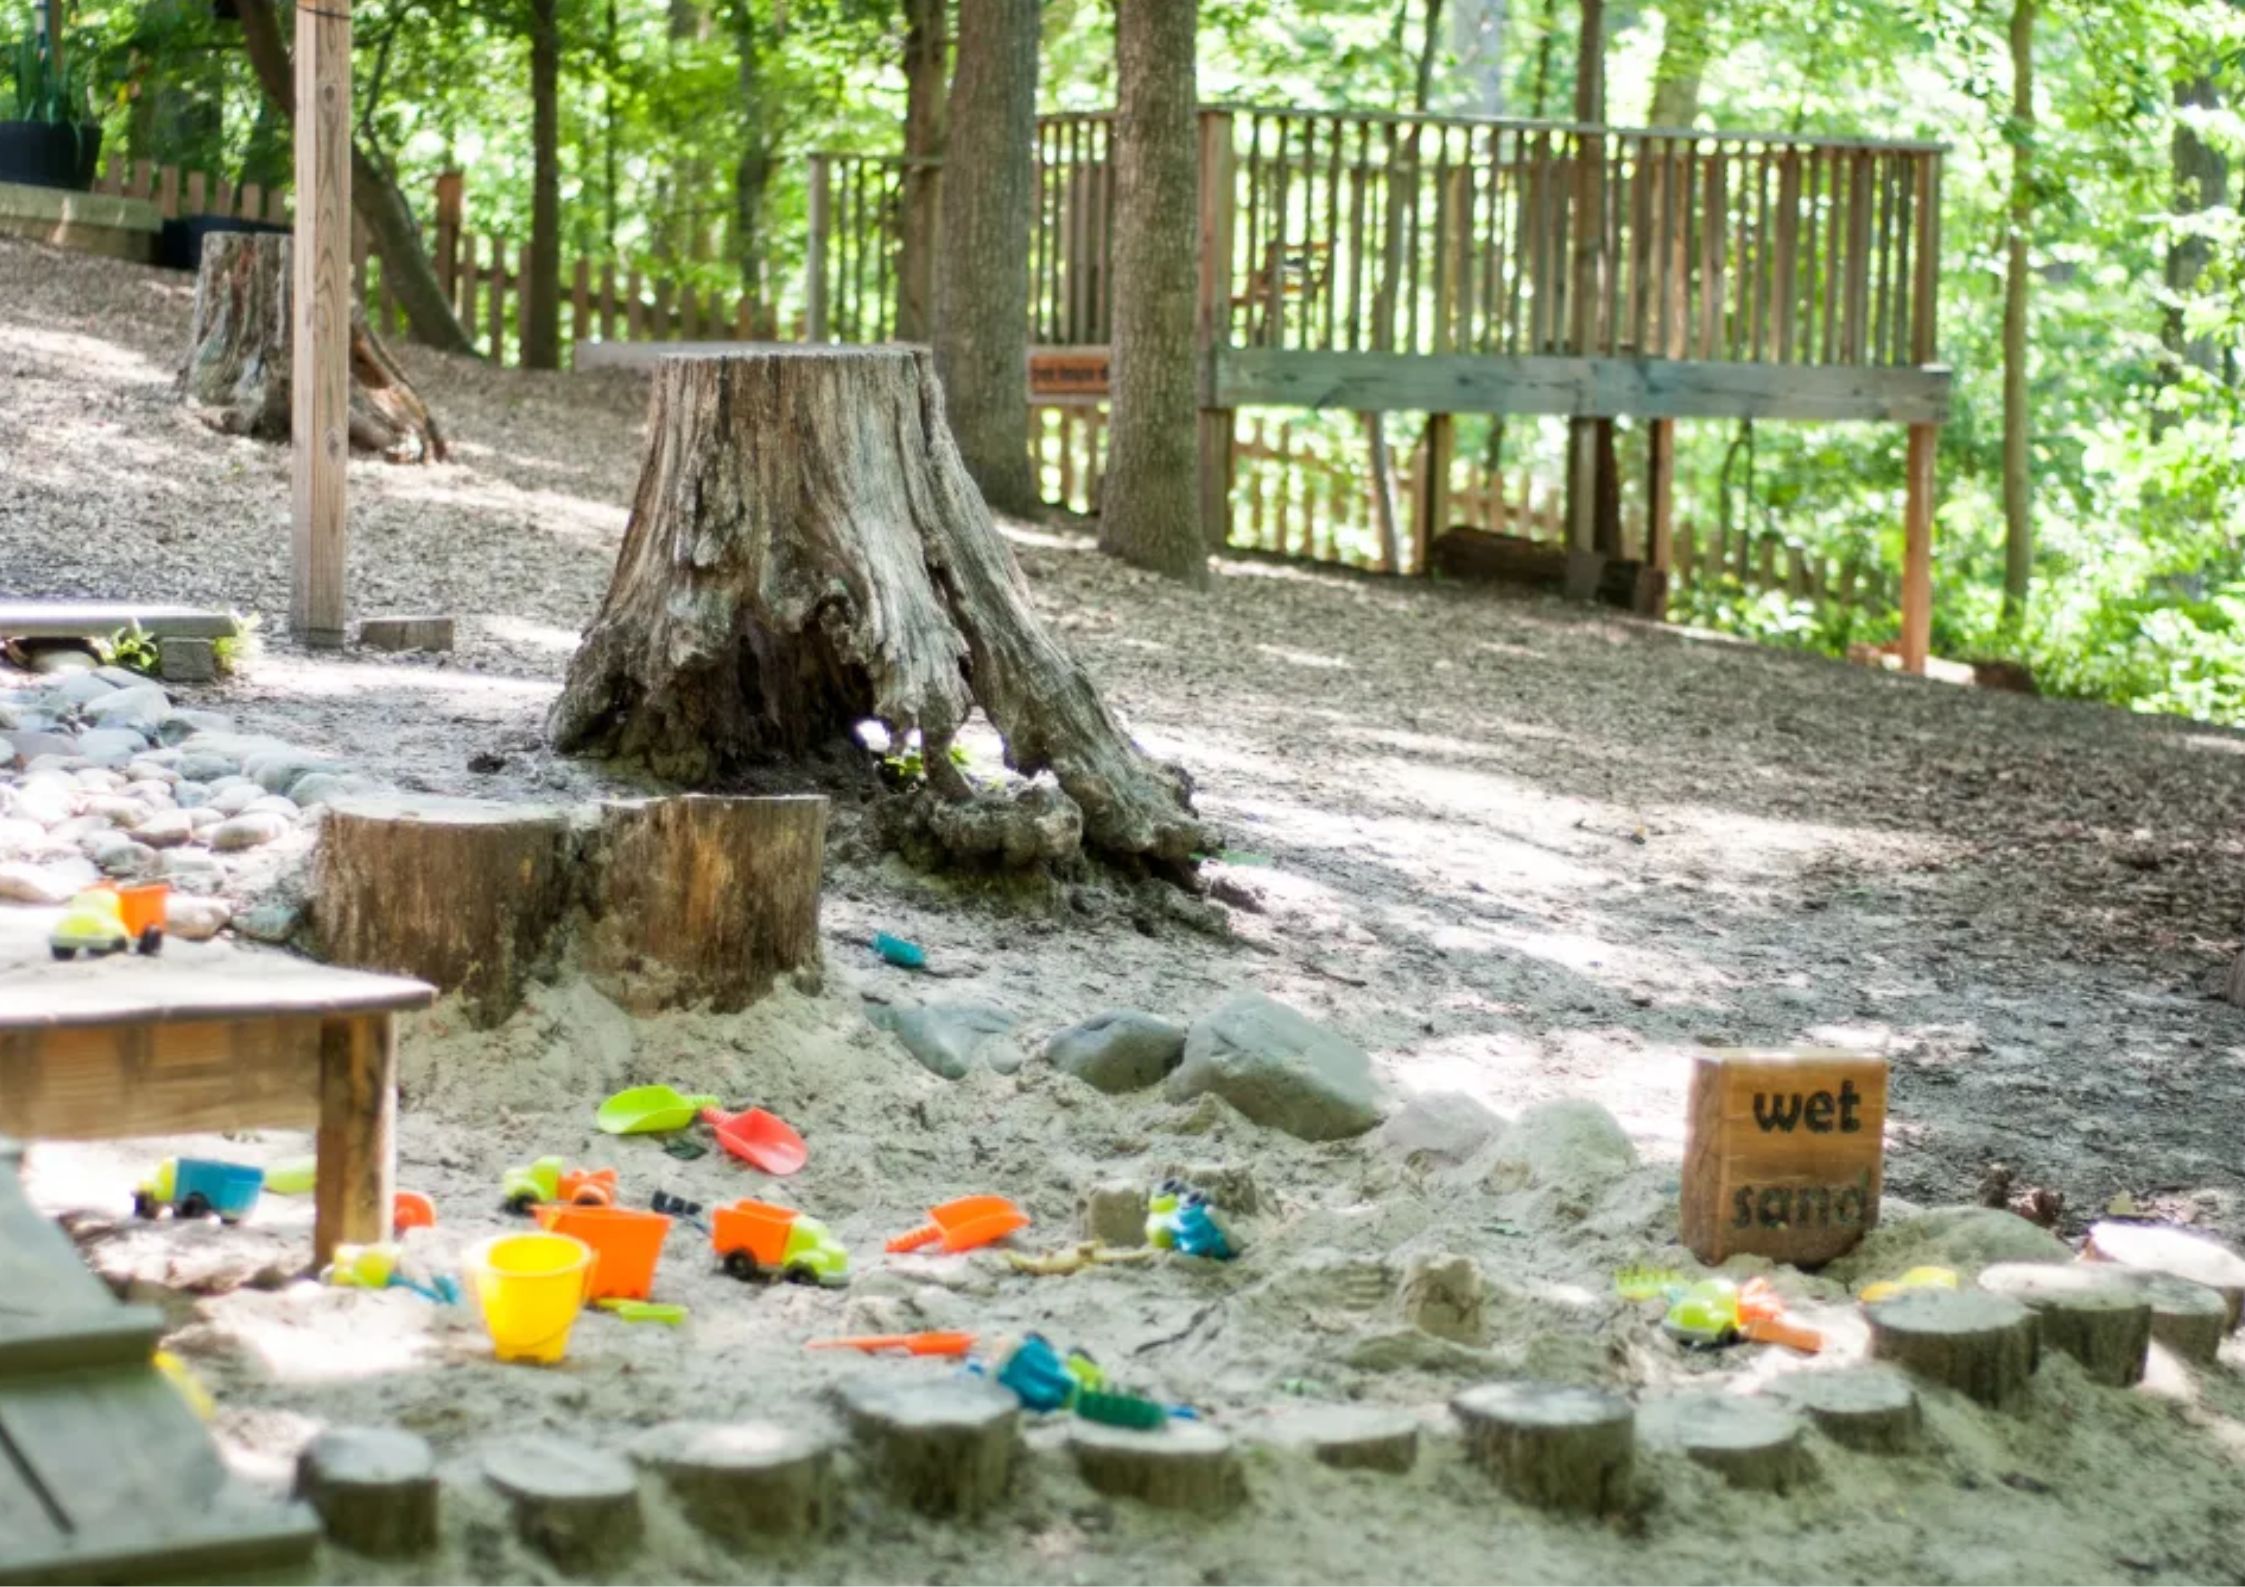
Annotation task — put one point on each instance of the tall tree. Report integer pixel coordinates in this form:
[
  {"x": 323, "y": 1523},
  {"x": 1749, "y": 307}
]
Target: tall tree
[
  {"x": 541, "y": 304},
  {"x": 1149, "y": 504},
  {"x": 1683, "y": 61},
  {"x": 2201, "y": 175},
  {"x": 752, "y": 171},
  {"x": 2018, "y": 525},
  {"x": 927, "y": 48},
  {"x": 982, "y": 256},
  {"x": 375, "y": 198}
]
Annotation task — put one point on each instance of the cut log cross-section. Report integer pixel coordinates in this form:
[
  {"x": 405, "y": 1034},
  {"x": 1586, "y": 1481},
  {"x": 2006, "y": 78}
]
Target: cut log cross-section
[
  {"x": 238, "y": 371},
  {"x": 2092, "y": 1313},
  {"x": 1980, "y": 1344},
  {"x": 1556, "y": 1446},
  {"x": 806, "y": 552}
]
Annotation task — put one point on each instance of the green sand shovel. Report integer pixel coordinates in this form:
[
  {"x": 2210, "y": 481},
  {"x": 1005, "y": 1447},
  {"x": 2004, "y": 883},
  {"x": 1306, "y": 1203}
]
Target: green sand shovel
[{"x": 649, "y": 1110}]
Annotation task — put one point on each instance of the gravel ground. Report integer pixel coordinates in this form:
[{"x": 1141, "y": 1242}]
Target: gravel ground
[{"x": 1514, "y": 850}]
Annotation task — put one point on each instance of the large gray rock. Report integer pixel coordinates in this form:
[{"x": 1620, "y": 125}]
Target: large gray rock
[
  {"x": 52, "y": 883},
  {"x": 1278, "y": 1067},
  {"x": 1437, "y": 1128},
  {"x": 249, "y": 830},
  {"x": 951, "y": 1038},
  {"x": 29, "y": 744},
  {"x": 282, "y": 769},
  {"x": 110, "y": 746},
  {"x": 1121, "y": 1050},
  {"x": 324, "y": 787},
  {"x": 179, "y": 726},
  {"x": 81, "y": 687},
  {"x": 200, "y": 765},
  {"x": 140, "y": 709},
  {"x": 1570, "y": 1144}
]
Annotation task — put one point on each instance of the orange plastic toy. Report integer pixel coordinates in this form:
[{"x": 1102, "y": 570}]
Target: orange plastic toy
[
  {"x": 758, "y": 1239},
  {"x": 626, "y": 1244},
  {"x": 410, "y": 1209},
  {"x": 1761, "y": 1317},
  {"x": 964, "y": 1224},
  {"x": 762, "y": 1139},
  {"x": 934, "y": 1343},
  {"x": 142, "y": 908}
]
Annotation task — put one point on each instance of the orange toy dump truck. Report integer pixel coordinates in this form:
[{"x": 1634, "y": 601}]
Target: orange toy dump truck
[{"x": 756, "y": 1239}]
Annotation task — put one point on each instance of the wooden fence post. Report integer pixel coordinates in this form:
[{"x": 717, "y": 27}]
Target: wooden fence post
[
  {"x": 1434, "y": 488},
  {"x": 1213, "y": 324},
  {"x": 1917, "y": 520},
  {"x": 320, "y": 376},
  {"x": 814, "y": 252},
  {"x": 1660, "y": 509},
  {"x": 451, "y": 210}
]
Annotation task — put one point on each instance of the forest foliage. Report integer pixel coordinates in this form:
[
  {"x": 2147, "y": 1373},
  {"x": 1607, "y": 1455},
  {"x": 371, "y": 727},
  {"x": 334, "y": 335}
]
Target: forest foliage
[{"x": 684, "y": 124}]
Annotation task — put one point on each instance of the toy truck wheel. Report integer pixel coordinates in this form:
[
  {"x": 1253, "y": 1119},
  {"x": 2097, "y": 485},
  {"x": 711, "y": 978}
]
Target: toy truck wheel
[
  {"x": 144, "y": 1205},
  {"x": 518, "y": 1205},
  {"x": 741, "y": 1265},
  {"x": 151, "y": 939},
  {"x": 801, "y": 1274},
  {"x": 193, "y": 1205},
  {"x": 62, "y": 952}
]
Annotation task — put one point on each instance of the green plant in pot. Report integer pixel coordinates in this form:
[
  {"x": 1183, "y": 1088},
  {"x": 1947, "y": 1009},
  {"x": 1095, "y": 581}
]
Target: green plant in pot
[{"x": 48, "y": 137}]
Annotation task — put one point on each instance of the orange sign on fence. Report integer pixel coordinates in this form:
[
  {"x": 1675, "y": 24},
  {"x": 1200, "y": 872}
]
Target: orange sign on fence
[{"x": 1063, "y": 372}]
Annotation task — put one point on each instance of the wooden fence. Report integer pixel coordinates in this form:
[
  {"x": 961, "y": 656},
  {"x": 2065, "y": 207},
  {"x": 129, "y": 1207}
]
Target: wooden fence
[{"x": 180, "y": 194}]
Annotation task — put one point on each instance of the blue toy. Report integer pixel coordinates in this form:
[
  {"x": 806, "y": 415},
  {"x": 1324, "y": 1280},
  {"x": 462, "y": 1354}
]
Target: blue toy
[
  {"x": 197, "y": 1187},
  {"x": 1178, "y": 1219},
  {"x": 904, "y": 955}
]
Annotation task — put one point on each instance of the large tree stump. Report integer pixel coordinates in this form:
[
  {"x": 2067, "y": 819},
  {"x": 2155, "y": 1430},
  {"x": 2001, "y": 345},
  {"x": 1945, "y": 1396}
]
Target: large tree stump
[
  {"x": 703, "y": 900},
  {"x": 461, "y": 893},
  {"x": 375, "y": 1488},
  {"x": 238, "y": 369},
  {"x": 1981, "y": 1345},
  {"x": 579, "y": 1507},
  {"x": 1752, "y": 1442},
  {"x": 806, "y": 553},
  {"x": 747, "y": 1482},
  {"x": 946, "y": 1448},
  {"x": 1184, "y": 1466},
  {"x": 1555, "y": 1446},
  {"x": 2096, "y": 1316}
]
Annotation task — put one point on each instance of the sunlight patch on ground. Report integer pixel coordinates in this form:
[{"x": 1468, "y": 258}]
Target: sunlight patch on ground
[
  {"x": 564, "y": 517},
  {"x": 82, "y": 357},
  {"x": 312, "y": 1334},
  {"x": 347, "y": 679},
  {"x": 2211, "y": 743},
  {"x": 537, "y": 636},
  {"x": 1043, "y": 540},
  {"x": 1305, "y": 658}
]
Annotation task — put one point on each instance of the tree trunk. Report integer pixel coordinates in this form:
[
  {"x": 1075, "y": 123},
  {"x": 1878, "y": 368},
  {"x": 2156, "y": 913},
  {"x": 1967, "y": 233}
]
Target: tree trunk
[
  {"x": 238, "y": 371},
  {"x": 1588, "y": 453},
  {"x": 805, "y": 553},
  {"x": 1683, "y": 59},
  {"x": 752, "y": 172},
  {"x": 1149, "y": 511},
  {"x": 1555, "y": 1446},
  {"x": 541, "y": 303},
  {"x": 2018, "y": 527},
  {"x": 2201, "y": 183},
  {"x": 982, "y": 262},
  {"x": 926, "y": 48},
  {"x": 374, "y": 196}
]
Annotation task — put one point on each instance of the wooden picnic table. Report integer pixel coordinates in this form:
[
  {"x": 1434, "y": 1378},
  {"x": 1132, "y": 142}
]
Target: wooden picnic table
[{"x": 208, "y": 1036}]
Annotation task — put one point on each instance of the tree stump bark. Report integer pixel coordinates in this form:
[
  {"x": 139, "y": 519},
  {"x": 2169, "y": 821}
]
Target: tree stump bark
[
  {"x": 375, "y": 1489},
  {"x": 805, "y": 553},
  {"x": 579, "y": 1507},
  {"x": 238, "y": 369},
  {"x": 461, "y": 893},
  {"x": 1555, "y": 1446},
  {"x": 2097, "y": 1317},
  {"x": 1185, "y": 1466},
  {"x": 1870, "y": 1409},
  {"x": 1355, "y": 1437},
  {"x": 701, "y": 899},
  {"x": 2189, "y": 1319},
  {"x": 1982, "y": 1345},
  {"x": 946, "y": 1448},
  {"x": 747, "y": 1482},
  {"x": 2158, "y": 1248},
  {"x": 1753, "y": 1443}
]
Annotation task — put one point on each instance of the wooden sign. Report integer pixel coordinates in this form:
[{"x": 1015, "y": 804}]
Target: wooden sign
[
  {"x": 1784, "y": 1155},
  {"x": 1060, "y": 372}
]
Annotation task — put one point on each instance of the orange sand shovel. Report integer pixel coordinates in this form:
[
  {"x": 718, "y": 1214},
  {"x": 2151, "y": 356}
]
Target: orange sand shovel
[
  {"x": 964, "y": 1224},
  {"x": 762, "y": 1139},
  {"x": 934, "y": 1343}
]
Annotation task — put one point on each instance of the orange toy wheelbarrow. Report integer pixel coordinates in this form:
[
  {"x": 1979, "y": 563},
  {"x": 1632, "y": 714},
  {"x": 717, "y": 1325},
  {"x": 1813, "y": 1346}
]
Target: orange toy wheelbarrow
[
  {"x": 141, "y": 907},
  {"x": 964, "y": 1224}
]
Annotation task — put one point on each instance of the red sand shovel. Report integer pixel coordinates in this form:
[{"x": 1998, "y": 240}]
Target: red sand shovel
[
  {"x": 762, "y": 1140},
  {"x": 964, "y": 1224}
]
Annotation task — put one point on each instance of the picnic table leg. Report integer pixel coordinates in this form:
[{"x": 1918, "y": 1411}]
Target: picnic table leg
[{"x": 357, "y": 1131}]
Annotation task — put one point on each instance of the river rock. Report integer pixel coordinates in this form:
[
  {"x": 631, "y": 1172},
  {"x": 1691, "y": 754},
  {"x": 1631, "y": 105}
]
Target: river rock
[
  {"x": 19, "y": 835},
  {"x": 1121, "y": 1050},
  {"x": 121, "y": 677},
  {"x": 274, "y": 920},
  {"x": 22, "y": 882},
  {"x": 235, "y": 797},
  {"x": 193, "y": 870},
  {"x": 136, "y": 710},
  {"x": 1280, "y": 1068},
  {"x": 166, "y": 829},
  {"x": 201, "y": 765},
  {"x": 129, "y": 861},
  {"x": 252, "y": 829},
  {"x": 280, "y": 770},
  {"x": 179, "y": 726},
  {"x": 194, "y": 919},
  {"x": 81, "y": 688},
  {"x": 117, "y": 810},
  {"x": 1570, "y": 1144},
  {"x": 191, "y": 796},
  {"x": 324, "y": 787},
  {"x": 48, "y": 798},
  {"x": 148, "y": 769},
  {"x": 110, "y": 746},
  {"x": 29, "y": 746},
  {"x": 950, "y": 1038},
  {"x": 1437, "y": 1127}
]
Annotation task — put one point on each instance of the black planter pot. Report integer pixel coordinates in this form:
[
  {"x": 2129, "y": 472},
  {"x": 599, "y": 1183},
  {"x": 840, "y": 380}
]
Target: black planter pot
[
  {"x": 50, "y": 154},
  {"x": 179, "y": 246}
]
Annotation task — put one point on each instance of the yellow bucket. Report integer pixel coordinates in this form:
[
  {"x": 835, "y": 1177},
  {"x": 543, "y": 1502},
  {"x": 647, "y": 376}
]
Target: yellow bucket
[{"x": 530, "y": 1287}]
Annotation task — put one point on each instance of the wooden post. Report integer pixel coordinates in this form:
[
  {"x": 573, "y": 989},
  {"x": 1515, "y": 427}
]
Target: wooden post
[
  {"x": 1434, "y": 486},
  {"x": 1585, "y": 561},
  {"x": 1212, "y": 327},
  {"x": 356, "y": 1143},
  {"x": 814, "y": 253},
  {"x": 1660, "y": 517},
  {"x": 451, "y": 210},
  {"x": 320, "y": 365},
  {"x": 1917, "y": 549}
]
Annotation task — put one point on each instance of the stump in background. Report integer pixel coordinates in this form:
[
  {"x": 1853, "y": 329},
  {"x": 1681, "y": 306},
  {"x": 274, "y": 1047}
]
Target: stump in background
[
  {"x": 238, "y": 371},
  {"x": 805, "y": 553},
  {"x": 663, "y": 903}
]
